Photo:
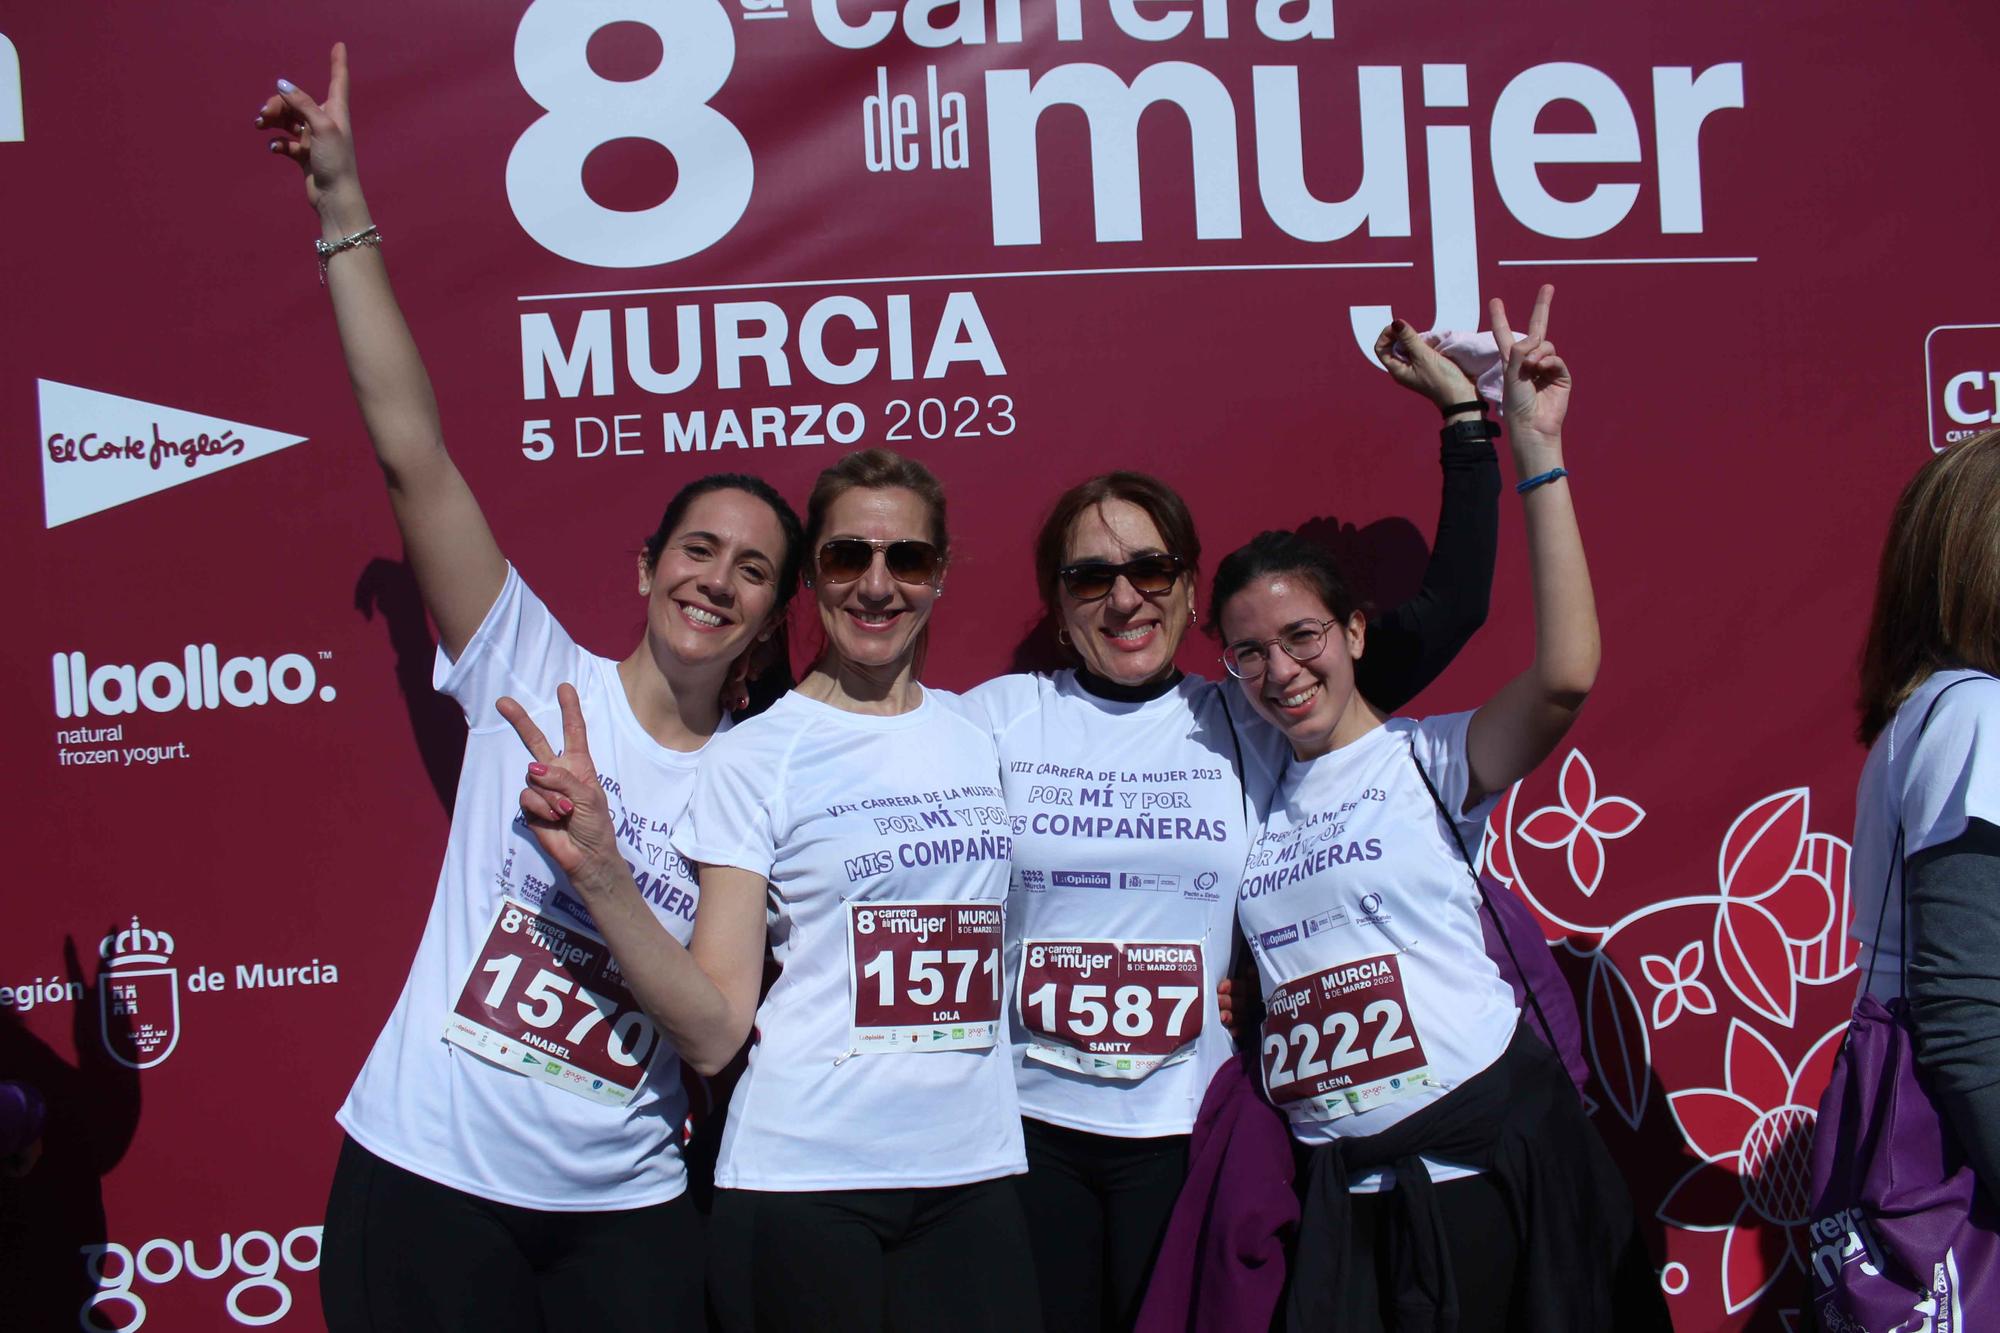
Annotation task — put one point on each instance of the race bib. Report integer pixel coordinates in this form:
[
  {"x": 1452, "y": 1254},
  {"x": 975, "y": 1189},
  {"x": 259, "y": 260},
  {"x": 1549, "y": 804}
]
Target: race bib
[
  {"x": 545, "y": 998},
  {"x": 1340, "y": 1042},
  {"x": 924, "y": 976},
  {"x": 1109, "y": 1009}
]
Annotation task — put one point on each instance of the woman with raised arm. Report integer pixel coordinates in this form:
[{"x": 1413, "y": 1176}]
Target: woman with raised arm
[
  {"x": 512, "y": 1154},
  {"x": 1125, "y": 784},
  {"x": 1453, "y": 1180}
]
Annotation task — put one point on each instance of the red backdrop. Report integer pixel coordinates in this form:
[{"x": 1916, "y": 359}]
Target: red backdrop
[{"x": 1120, "y": 241}]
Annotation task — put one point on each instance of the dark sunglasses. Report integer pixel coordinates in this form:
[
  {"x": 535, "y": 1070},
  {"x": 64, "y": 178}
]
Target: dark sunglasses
[
  {"x": 1149, "y": 575},
  {"x": 845, "y": 559}
]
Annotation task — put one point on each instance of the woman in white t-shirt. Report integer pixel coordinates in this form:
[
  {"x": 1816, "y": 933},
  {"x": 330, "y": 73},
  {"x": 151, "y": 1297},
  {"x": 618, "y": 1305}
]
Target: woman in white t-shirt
[
  {"x": 1450, "y": 1165},
  {"x": 512, "y": 1154},
  {"x": 1125, "y": 782},
  {"x": 854, "y": 832},
  {"x": 1934, "y": 652}
]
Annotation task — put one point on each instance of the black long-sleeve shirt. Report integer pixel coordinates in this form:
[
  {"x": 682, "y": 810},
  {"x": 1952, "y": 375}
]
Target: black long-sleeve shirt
[{"x": 1409, "y": 646}]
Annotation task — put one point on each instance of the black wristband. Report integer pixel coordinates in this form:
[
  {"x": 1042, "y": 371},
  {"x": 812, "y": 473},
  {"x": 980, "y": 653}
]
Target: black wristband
[
  {"x": 1481, "y": 431},
  {"x": 1476, "y": 405}
]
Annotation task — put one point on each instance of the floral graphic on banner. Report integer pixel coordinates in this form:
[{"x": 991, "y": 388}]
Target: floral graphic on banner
[{"x": 1763, "y": 956}]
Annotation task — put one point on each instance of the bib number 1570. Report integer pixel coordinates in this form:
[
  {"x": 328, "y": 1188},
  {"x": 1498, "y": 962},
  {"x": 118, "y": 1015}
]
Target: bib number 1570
[{"x": 544, "y": 998}]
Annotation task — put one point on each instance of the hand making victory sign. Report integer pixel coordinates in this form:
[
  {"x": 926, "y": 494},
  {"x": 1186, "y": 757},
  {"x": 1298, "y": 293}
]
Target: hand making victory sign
[
  {"x": 563, "y": 802},
  {"x": 1536, "y": 397}
]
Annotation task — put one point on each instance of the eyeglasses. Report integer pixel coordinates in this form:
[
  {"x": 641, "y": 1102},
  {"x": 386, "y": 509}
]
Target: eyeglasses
[
  {"x": 1149, "y": 575},
  {"x": 845, "y": 559},
  {"x": 1302, "y": 643}
]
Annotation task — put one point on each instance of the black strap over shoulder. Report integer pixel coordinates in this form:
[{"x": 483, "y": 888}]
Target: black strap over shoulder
[
  {"x": 1472, "y": 869},
  {"x": 1892, "y": 873}
]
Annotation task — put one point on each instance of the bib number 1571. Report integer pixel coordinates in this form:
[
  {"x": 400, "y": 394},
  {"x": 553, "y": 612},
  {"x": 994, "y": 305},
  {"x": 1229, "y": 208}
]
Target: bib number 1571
[{"x": 924, "y": 976}]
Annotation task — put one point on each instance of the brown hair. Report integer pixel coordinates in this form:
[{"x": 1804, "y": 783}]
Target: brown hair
[
  {"x": 1937, "y": 593},
  {"x": 1161, "y": 502},
  {"x": 875, "y": 470}
]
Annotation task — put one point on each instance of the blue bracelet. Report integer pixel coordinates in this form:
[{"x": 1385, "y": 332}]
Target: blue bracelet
[{"x": 1541, "y": 479}]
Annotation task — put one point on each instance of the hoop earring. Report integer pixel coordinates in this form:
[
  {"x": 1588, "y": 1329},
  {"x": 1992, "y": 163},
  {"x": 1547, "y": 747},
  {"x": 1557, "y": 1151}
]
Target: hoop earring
[{"x": 1062, "y": 636}]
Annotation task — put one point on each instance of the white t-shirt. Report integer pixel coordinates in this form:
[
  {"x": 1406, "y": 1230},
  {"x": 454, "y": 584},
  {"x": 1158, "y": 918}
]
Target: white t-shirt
[
  {"x": 456, "y": 1118},
  {"x": 1358, "y": 906},
  {"x": 1129, "y": 835},
  {"x": 1933, "y": 786},
  {"x": 836, "y": 808}
]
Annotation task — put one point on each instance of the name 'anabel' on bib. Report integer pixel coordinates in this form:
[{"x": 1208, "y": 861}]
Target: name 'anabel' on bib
[
  {"x": 545, "y": 998},
  {"x": 1340, "y": 1041},
  {"x": 923, "y": 976},
  {"x": 1110, "y": 1009}
]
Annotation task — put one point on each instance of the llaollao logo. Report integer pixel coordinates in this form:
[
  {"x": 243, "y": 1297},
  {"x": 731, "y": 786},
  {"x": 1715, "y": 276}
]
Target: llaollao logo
[{"x": 201, "y": 678}]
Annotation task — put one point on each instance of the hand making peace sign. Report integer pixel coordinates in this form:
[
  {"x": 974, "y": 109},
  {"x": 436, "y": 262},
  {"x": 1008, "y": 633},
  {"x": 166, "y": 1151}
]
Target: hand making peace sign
[
  {"x": 563, "y": 802},
  {"x": 1536, "y": 397}
]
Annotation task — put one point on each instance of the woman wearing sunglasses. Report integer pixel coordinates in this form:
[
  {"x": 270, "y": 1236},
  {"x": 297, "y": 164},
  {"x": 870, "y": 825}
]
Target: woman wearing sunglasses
[
  {"x": 855, "y": 833},
  {"x": 1125, "y": 784},
  {"x": 1453, "y": 1180},
  {"x": 471, "y": 1193}
]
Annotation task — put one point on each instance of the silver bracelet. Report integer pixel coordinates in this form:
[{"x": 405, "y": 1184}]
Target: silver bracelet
[{"x": 328, "y": 249}]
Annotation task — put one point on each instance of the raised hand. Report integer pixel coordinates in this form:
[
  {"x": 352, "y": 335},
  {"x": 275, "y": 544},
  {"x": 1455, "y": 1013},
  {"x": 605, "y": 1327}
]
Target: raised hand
[
  {"x": 1536, "y": 397},
  {"x": 1421, "y": 368},
  {"x": 316, "y": 135},
  {"x": 563, "y": 802}
]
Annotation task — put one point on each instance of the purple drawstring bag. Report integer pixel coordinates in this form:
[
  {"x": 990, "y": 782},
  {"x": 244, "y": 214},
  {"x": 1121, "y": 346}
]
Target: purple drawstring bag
[{"x": 1902, "y": 1240}]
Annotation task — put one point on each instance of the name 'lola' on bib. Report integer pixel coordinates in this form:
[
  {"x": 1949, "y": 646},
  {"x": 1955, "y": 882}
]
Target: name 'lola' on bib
[
  {"x": 924, "y": 976},
  {"x": 1110, "y": 1009},
  {"x": 1340, "y": 1041},
  {"x": 545, "y": 998}
]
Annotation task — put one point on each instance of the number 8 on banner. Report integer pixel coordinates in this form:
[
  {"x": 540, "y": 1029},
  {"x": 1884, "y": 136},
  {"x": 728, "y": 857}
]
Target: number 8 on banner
[{"x": 669, "y": 107}]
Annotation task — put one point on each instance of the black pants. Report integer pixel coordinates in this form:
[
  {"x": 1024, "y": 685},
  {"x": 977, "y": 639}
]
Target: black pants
[
  {"x": 403, "y": 1254},
  {"x": 909, "y": 1260},
  {"x": 1097, "y": 1207},
  {"x": 1479, "y": 1234}
]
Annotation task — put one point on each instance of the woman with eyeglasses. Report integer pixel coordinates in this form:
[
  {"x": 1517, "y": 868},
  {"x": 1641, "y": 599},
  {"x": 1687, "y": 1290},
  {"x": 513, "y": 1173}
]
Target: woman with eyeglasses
[
  {"x": 1452, "y": 1179},
  {"x": 1124, "y": 780}
]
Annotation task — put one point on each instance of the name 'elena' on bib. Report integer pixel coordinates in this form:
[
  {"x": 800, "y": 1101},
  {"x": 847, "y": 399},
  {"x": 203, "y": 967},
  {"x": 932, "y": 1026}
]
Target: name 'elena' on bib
[
  {"x": 545, "y": 998},
  {"x": 1340, "y": 1041},
  {"x": 1110, "y": 1009},
  {"x": 924, "y": 976}
]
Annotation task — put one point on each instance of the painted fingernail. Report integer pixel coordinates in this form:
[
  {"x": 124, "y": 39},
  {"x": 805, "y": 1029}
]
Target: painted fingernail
[
  {"x": 564, "y": 804},
  {"x": 539, "y": 770},
  {"x": 287, "y": 86}
]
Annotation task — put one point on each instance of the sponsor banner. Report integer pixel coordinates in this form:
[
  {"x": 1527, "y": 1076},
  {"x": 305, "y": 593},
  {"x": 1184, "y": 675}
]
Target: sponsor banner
[{"x": 1023, "y": 243}]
